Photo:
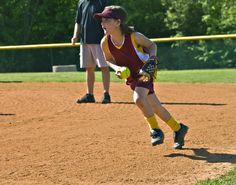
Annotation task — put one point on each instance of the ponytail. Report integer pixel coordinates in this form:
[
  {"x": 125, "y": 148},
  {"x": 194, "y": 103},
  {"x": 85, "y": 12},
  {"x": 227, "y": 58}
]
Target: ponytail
[{"x": 125, "y": 29}]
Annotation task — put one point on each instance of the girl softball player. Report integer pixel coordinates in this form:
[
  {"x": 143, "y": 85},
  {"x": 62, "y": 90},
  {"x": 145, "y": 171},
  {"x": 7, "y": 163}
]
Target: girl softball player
[{"x": 123, "y": 49}]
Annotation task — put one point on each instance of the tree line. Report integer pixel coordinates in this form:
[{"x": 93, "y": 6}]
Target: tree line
[{"x": 38, "y": 21}]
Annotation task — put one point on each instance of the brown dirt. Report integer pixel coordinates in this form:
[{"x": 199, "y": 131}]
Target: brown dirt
[{"x": 48, "y": 139}]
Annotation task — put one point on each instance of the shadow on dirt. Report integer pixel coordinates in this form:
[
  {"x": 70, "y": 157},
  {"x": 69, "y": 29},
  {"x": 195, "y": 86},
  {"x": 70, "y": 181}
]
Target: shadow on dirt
[
  {"x": 204, "y": 154},
  {"x": 10, "y": 81},
  {"x": 210, "y": 104},
  {"x": 178, "y": 103},
  {"x": 1, "y": 114}
]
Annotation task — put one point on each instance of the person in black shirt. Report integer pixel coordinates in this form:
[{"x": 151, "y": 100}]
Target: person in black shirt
[{"x": 90, "y": 33}]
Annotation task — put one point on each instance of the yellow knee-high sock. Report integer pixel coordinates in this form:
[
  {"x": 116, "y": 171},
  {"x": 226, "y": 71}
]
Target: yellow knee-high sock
[
  {"x": 152, "y": 122},
  {"x": 174, "y": 125}
]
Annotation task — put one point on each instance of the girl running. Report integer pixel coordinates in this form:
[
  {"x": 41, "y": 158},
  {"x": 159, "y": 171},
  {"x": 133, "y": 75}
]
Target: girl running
[{"x": 123, "y": 49}]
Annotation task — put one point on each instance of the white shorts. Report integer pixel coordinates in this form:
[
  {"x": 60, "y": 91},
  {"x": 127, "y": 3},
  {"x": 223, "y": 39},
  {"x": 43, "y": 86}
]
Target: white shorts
[{"x": 91, "y": 55}]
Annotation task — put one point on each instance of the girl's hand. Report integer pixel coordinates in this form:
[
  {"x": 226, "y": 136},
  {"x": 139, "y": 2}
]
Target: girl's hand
[
  {"x": 149, "y": 69},
  {"x": 122, "y": 72}
]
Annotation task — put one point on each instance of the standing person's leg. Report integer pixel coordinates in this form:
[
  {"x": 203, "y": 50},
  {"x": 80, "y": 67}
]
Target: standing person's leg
[
  {"x": 90, "y": 79},
  {"x": 106, "y": 85},
  {"x": 106, "y": 79},
  {"x": 140, "y": 99},
  {"x": 87, "y": 62},
  {"x": 102, "y": 64},
  {"x": 179, "y": 129}
]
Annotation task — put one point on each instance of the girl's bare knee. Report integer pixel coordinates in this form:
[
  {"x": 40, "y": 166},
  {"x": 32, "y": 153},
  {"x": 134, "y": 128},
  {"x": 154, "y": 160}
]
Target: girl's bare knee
[{"x": 139, "y": 101}]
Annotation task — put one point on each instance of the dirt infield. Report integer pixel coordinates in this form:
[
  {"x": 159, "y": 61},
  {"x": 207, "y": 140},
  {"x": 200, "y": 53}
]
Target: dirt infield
[{"x": 45, "y": 138}]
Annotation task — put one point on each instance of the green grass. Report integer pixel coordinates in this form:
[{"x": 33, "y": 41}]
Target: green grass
[
  {"x": 181, "y": 76},
  {"x": 228, "y": 179},
  {"x": 199, "y": 76}
]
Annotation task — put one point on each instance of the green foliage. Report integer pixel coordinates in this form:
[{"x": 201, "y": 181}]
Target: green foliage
[
  {"x": 35, "y": 22},
  {"x": 184, "y": 17},
  {"x": 203, "y": 17},
  {"x": 146, "y": 17},
  {"x": 27, "y": 22},
  {"x": 220, "y": 16}
]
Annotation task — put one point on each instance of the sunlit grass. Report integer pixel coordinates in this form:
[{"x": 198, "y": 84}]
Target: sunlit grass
[
  {"x": 180, "y": 76},
  {"x": 228, "y": 179}
]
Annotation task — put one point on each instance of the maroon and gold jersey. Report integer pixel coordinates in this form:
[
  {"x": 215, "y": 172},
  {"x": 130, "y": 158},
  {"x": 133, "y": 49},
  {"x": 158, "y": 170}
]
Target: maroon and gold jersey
[
  {"x": 128, "y": 55},
  {"x": 132, "y": 56}
]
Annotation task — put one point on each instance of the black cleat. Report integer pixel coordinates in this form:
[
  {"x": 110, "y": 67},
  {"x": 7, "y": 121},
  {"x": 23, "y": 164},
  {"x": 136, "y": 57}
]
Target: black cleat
[
  {"x": 87, "y": 98},
  {"x": 106, "y": 98},
  {"x": 179, "y": 136},
  {"x": 157, "y": 137}
]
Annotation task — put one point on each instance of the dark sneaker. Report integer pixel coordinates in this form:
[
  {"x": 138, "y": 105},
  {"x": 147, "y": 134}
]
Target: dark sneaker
[
  {"x": 157, "y": 137},
  {"x": 106, "y": 98},
  {"x": 179, "y": 136},
  {"x": 87, "y": 98}
]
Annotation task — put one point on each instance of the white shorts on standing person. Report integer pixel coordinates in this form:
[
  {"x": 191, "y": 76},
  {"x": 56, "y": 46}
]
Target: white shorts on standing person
[{"x": 90, "y": 33}]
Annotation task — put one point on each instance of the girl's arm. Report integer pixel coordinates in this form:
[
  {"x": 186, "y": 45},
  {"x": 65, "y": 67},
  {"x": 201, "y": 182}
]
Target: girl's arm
[
  {"x": 142, "y": 40},
  {"x": 76, "y": 33}
]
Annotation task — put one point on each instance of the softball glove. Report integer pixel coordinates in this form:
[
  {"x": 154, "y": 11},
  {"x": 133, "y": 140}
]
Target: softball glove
[{"x": 149, "y": 69}]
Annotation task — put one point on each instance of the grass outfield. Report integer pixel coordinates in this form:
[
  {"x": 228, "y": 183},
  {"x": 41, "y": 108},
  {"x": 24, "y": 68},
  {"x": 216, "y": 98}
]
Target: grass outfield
[
  {"x": 183, "y": 76},
  {"x": 180, "y": 76},
  {"x": 228, "y": 179}
]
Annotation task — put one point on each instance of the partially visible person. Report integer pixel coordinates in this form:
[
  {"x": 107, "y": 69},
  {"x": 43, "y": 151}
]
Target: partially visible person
[
  {"x": 90, "y": 33},
  {"x": 123, "y": 49}
]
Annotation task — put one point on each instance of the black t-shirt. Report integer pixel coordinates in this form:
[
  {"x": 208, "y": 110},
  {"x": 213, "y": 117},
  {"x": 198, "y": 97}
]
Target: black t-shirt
[{"x": 91, "y": 31}]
